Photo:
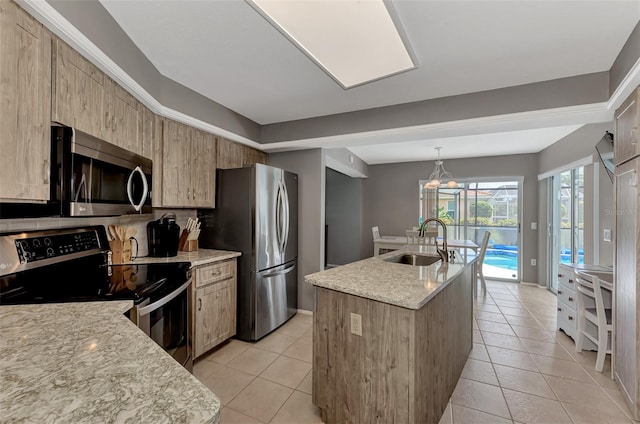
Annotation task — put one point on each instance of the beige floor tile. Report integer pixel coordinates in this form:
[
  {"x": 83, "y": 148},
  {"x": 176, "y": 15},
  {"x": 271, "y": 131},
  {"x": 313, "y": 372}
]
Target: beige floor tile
[
  {"x": 447, "y": 416},
  {"x": 585, "y": 415},
  {"x": 490, "y": 316},
  {"x": 549, "y": 324},
  {"x": 229, "y": 416},
  {"x": 479, "y": 351},
  {"x": 529, "y": 382},
  {"x": 481, "y": 396},
  {"x": 286, "y": 371},
  {"x": 510, "y": 302},
  {"x": 618, "y": 398},
  {"x": 479, "y": 371},
  {"x": 586, "y": 357},
  {"x": 528, "y": 408},
  {"x": 487, "y": 307},
  {"x": 308, "y": 333},
  {"x": 522, "y": 321},
  {"x": 464, "y": 415},
  {"x": 554, "y": 350},
  {"x": 253, "y": 361},
  {"x": 227, "y": 351},
  {"x": 561, "y": 368},
  {"x": 519, "y": 312},
  {"x": 511, "y": 358},
  {"x": 295, "y": 327},
  {"x": 578, "y": 393},
  {"x": 603, "y": 378},
  {"x": 298, "y": 409},
  {"x": 275, "y": 342},
  {"x": 261, "y": 399},
  {"x": 495, "y": 327},
  {"x": 226, "y": 383},
  {"x": 202, "y": 368},
  {"x": 474, "y": 324},
  {"x": 477, "y": 336},
  {"x": 502, "y": 340},
  {"x": 301, "y": 349},
  {"x": 306, "y": 385},
  {"x": 535, "y": 333}
]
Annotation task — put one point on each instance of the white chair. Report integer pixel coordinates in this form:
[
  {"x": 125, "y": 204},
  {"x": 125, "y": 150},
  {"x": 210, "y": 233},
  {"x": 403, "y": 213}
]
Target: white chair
[
  {"x": 478, "y": 266},
  {"x": 590, "y": 295},
  {"x": 376, "y": 233}
]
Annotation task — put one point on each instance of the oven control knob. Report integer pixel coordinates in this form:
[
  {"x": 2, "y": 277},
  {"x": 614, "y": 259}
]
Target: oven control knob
[
  {"x": 36, "y": 243},
  {"x": 24, "y": 245},
  {"x": 47, "y": 241},
  {"x": 50, "y": 252}
]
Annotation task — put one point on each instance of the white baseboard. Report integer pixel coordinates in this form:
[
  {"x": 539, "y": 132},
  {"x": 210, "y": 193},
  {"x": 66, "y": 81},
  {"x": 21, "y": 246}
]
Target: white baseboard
[{"x": 304, "y": 312}]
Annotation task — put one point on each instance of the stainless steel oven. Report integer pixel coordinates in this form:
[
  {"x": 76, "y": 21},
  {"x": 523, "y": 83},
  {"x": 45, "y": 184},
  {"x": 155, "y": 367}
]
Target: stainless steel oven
[{"x": 71, "y": 265}]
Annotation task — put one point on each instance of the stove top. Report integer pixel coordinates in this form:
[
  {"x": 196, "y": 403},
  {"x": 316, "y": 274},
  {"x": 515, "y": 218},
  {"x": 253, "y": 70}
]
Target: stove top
[{"x": 76, "y": 269}]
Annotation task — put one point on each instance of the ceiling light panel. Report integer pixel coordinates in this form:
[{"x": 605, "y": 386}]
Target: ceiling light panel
[{"x": 355, "y": 42}]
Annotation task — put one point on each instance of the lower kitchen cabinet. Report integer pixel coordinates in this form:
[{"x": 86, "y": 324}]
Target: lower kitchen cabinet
[{"x": 214, "y": 305}]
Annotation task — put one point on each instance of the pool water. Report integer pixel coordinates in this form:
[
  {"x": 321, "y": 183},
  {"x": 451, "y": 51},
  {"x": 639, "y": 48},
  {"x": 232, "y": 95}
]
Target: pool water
[{"x": 506, "y": 262}]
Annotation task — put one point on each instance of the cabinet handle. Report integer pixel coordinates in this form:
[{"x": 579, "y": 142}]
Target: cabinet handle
[
  {"x": 559, "y": 275},
  {"x": 194, "y": 194},
  {"x": 559, "y": 291},
  {"x": 114, "y": 124},
  {"x": 570, "y": 299},
  {"x": 188, "y": 193},
  {"x": 570, "y": 318},
  {"x": 46, "y": 172},
  {"x": 633, "y": 138},
  {"x": 106, "y": 120},
  {"x": 199, "y": 303},
  {"x": 559, "y": 309},
  {"x": 218, "y": 272},
  {"x": 570, "y": 281}
]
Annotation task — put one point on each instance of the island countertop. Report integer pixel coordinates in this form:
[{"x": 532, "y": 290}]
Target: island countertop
[
  {"x": 397, "y": 284},
  {"x": 87, "y": 362}
]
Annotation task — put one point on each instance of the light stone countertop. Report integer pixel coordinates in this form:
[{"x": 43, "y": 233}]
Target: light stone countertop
[
  {"x": 397, "y": 284},
  {"x": 197, "y": 257},
  {"x": 87, "y": 362}
]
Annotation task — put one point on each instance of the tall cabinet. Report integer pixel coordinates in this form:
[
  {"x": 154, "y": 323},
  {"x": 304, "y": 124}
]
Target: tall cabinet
[
  {"x": 627, "y": 253},
  {"x": 25, "y": 102}
]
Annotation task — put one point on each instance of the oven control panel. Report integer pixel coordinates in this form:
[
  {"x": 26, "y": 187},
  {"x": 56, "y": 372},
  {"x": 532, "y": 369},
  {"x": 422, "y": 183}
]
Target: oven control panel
[{"x": 31, "y": 249}]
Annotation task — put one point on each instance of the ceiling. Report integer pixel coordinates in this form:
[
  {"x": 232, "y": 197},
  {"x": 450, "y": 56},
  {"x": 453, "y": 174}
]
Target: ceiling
[{"x": 229, "y": 53}]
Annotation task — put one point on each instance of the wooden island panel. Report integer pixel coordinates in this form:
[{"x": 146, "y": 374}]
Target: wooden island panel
[{"x": 406, "y": 364}]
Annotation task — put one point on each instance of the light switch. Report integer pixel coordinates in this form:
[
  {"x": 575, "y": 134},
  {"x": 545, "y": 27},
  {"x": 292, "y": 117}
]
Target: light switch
[
  {"x": 606, "y": 236},
  {"x": 534, "y": 225}
]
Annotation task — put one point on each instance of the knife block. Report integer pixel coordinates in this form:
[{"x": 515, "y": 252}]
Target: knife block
[
  {"x": 190, "y": 246},
  {"x": 120, "y": 251}
]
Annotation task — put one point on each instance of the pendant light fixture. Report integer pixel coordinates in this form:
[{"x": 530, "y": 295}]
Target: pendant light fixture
[{"x": 440, "y": 176}]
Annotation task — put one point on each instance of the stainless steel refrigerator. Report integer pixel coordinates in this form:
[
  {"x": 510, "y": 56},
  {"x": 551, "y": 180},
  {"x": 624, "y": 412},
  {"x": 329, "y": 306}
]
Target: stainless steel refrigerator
[{"x": 256, "y": 213}]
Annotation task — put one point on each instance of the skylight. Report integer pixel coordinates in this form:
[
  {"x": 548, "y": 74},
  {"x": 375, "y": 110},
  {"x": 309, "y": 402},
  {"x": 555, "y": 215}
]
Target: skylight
[{"x": 355, "y": 42}]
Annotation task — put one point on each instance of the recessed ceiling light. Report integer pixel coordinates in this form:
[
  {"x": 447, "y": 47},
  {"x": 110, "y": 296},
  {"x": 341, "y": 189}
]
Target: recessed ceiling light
[{"x": 355, "y": 42}]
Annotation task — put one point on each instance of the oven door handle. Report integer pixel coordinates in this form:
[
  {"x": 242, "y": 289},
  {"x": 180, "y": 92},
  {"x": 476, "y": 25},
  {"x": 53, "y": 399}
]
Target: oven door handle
[{"x": 152, "y": 307}]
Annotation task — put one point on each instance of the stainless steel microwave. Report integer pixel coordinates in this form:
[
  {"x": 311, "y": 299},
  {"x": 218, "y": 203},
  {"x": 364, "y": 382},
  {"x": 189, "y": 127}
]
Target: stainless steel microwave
[{"x": 97, "y": 178}]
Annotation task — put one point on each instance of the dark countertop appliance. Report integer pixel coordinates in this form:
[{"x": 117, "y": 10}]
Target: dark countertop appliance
[
  {"x": 72, "y": 265},
  {"x": 163, "y": 236}
]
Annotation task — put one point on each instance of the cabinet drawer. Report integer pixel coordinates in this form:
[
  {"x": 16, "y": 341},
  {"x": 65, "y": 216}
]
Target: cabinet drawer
[
  {"x": 567, "y": 319},
  {"x": 567, "y": 296},
  {"x": 565, "y": 277},
  {"x": 207, "y": 274}
]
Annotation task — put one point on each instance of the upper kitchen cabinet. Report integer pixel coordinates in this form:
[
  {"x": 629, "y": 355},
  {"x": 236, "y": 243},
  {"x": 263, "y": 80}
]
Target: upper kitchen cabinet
[
  {"x": 122, "y": 123},
  {"x": 188, "y": 166},
  {"x": 236, "y": 155},
  {"x": 627, "y": 117},
  {"x": 78, "y": 91},
  {"x": 25, "y": 98}
]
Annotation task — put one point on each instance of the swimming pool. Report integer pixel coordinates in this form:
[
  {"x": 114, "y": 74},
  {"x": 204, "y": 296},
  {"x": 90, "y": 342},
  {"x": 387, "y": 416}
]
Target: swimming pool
[{"x": 502, "y": 259}]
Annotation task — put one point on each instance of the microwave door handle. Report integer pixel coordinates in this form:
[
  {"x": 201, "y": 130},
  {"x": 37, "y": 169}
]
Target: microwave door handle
[{"x": 145, "y": 189}]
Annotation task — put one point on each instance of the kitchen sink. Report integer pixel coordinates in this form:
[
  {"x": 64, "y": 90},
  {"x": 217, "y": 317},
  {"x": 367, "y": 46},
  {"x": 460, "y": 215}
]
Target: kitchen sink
[{"x": 414, "y": 259}]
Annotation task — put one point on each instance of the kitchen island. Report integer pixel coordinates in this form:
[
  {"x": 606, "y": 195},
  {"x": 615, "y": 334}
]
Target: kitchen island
[
  {"x": 87, "y": 362},
  {"x": 416, "y": 334}
]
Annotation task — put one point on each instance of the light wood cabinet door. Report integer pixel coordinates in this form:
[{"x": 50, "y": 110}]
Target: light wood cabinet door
[
  {"x": 626, "y": 135},
  {"x": 149, "y": 130},
  {"x": 25, "y": 98},
  {"x": 78, "y": 91},
  {"x": 253, "y": 156},
  {"x": 229, "y": 154},
  {"x": 176, "y": 171},
  {"x": 215, "y": 311},
  {"x": 122, "y": 120},
  {"x": 203, "y": 147}
]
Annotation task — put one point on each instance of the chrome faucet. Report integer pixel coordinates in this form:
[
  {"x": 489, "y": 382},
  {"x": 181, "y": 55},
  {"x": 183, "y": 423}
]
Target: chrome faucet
[{"x": 444, "y": 252}]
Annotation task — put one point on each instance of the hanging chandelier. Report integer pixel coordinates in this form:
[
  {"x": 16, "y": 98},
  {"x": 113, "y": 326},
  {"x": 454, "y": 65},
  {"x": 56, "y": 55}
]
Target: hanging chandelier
[{"x": 440, "y": 176}]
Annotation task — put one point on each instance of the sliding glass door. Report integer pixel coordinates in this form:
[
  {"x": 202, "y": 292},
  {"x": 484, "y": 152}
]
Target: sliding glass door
[{"x": 475, "y": 207}]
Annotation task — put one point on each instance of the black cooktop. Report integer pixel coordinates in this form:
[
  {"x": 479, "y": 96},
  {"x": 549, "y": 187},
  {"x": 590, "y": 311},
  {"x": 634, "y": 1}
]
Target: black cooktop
[{"x": 90, "y": 279}]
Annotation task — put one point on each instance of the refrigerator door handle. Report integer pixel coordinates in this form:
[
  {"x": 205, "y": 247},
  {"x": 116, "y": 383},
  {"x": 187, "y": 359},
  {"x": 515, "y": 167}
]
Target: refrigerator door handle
[
  {"x": 281, "y": 272},
  {"x": 279, "y": 216},
  {"x": 285, "y": 199}
]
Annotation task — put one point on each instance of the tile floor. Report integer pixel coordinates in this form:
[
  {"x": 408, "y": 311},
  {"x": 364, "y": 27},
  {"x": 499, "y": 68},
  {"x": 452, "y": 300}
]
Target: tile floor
[{"x": 521, "y": 370}]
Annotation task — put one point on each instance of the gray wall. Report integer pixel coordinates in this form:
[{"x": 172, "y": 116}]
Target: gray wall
[
  {"x": 343, "y": 206},
  {"x": 627, "y": 57},
  {"x": 309, "y": 165},
  {"x": 390, "y": 197},
  {"x": 578, "y": 145}
]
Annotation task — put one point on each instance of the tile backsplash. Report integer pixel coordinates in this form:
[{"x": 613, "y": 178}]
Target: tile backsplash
[{"x": 137, "y": 221}]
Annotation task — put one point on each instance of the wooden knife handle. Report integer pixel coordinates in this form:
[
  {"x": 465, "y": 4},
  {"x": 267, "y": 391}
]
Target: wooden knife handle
[{"x": 183, "y": 239}]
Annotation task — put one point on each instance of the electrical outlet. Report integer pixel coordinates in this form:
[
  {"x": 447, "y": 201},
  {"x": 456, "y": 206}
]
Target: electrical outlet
[
  {"x": 533, "y": 262},
  {"x": 534, "y": 225},
  {"x": 606, "y": 236},
  {"x": 356, "y": 324}
]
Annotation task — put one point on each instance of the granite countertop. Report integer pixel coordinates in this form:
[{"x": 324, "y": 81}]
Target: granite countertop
[
  {"x": 197, "y": 257},
  {"x": 87, "y": 362},
  {"x": 397, "y": 284}
]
